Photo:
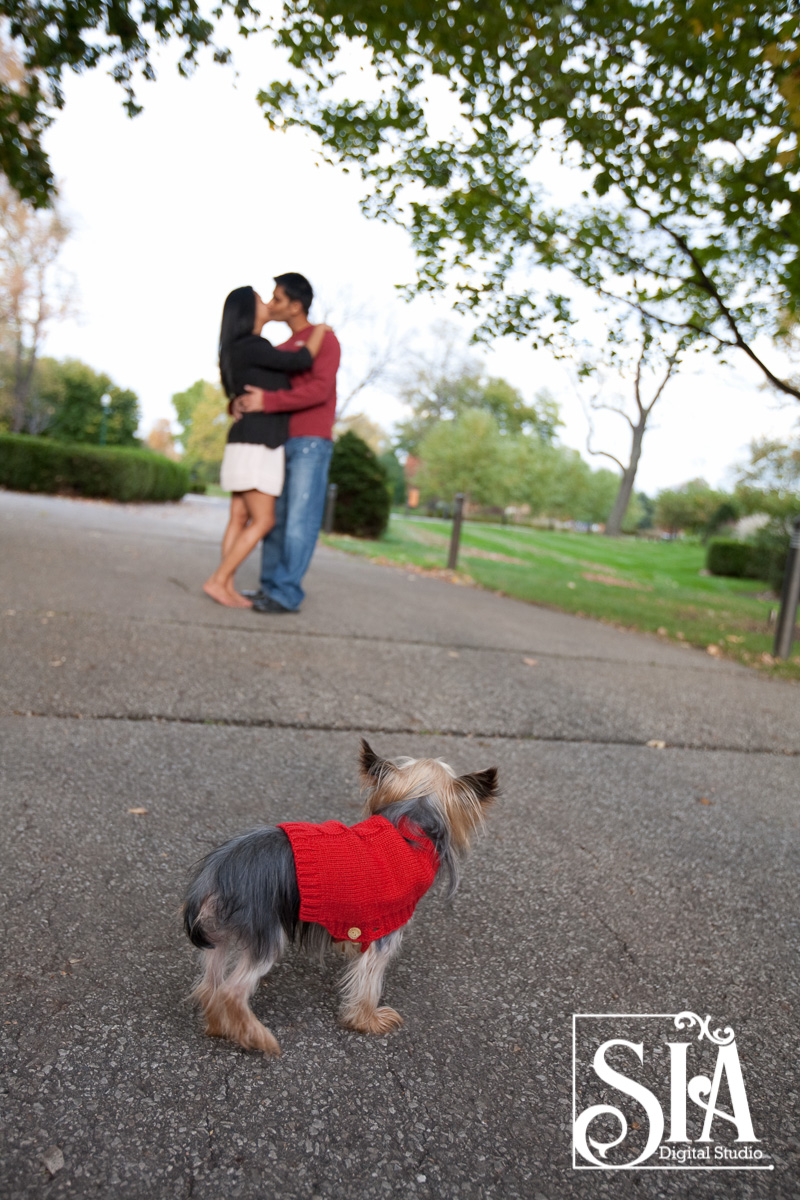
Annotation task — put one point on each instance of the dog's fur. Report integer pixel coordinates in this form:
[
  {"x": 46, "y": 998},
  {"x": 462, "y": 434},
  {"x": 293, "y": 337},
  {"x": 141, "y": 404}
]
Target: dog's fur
[{"x": 242, "y": 906}]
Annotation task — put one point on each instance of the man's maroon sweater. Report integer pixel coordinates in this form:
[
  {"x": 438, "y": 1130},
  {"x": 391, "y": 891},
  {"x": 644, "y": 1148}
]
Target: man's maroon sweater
[
  {"x": 311, "y": 401},
  {"x": 360, "y": 881}
]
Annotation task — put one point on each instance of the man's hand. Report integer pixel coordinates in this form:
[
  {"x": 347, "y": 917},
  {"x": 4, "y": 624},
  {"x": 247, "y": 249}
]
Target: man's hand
[{"x": 251, "y": 401}]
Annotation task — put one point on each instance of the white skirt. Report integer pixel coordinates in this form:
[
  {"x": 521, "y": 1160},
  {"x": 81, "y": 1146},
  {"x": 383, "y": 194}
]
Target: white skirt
[{"x": 248, "y": 466}]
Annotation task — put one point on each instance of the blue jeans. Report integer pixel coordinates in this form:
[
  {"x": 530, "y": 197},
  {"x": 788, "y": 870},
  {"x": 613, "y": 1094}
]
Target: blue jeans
[{"x": 288, "y": 547}]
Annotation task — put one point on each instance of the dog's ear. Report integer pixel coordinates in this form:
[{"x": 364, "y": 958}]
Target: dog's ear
[
  {"x": 482, "y": 784},
  {"x": 372, "y": 766}
]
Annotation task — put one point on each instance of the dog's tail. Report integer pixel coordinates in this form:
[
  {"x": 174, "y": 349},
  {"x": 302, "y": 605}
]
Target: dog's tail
[{"x": 246, "y": 889}]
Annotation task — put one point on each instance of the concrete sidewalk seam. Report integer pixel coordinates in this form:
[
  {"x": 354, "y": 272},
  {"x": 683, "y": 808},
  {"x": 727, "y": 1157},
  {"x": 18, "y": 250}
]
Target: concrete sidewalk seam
[{"x": 409, "y": 730}]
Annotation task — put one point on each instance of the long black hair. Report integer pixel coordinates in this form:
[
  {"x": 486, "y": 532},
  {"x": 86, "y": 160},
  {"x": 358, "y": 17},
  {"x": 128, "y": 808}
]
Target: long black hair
[{"x": 238, "y": 319}]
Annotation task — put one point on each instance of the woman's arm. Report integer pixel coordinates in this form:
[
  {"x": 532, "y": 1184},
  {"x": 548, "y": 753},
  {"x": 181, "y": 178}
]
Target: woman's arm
[
  {"x": 261, "y": 354},
  {"x": 314, "y": 342}
]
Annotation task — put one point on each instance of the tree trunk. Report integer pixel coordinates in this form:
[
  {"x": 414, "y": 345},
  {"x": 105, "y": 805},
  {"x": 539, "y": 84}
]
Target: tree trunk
[
  {"x": 20, "y": 390},
  {"x": 617, "y": 516}
]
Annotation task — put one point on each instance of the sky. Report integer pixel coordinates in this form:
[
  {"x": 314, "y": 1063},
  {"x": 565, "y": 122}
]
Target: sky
[{"x": 173, "y": 209}]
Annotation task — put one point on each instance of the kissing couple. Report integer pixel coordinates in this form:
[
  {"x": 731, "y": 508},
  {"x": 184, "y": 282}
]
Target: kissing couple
[{"x": 276, "y": 460}]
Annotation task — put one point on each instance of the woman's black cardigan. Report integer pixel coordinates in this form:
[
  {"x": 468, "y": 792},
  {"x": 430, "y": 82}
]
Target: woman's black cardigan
[{"x": 254, "y": 360}]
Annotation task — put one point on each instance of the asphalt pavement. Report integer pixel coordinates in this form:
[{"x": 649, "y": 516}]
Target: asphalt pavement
[{"x": 141, "y": 724}]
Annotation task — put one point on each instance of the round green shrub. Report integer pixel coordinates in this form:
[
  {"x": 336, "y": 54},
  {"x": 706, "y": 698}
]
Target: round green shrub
[
  {"x": 35, "y": 464},
  {"x": 362, "y": 501},
  {"x": 728, "y": 557}
]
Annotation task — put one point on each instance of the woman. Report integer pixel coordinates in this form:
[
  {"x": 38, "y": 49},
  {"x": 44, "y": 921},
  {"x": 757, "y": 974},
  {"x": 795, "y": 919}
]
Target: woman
[{"x": 252, "y": 466}]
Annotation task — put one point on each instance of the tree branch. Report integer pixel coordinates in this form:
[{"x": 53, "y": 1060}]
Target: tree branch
[
  {"x": 598, "y": 405},
  {"x": 605, "y": 454},
  {"x": 706, "y": 284}
]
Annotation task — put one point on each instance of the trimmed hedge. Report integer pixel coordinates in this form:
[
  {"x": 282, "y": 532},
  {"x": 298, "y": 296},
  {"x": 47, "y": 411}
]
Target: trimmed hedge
[
  {"x": 736, "y": 560},
  {"x": 362, "y": 501},
  {"x": 764, "y": 558},
  {"x": 36, "y": 464}
]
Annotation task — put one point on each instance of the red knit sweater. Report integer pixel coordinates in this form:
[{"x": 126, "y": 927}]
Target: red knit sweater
[
  {"x": 311, "y": 401},
  {"x": 360, "y": 881}
]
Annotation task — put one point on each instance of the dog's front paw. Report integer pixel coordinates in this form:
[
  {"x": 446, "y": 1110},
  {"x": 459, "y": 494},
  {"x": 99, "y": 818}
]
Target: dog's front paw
[
  {"x": 386, "y": 1020},
  {"x": 376, "y": 1020}
]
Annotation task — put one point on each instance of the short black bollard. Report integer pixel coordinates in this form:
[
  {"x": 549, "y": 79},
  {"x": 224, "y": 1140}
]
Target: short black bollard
[
  {"x": 790, "y": 597},
  {"x": 455, "y": 537},
  {"x": 330, "y": 505}
]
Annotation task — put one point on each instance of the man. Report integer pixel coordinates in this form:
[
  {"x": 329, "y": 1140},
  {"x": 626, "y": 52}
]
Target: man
[{"x": 311, "y": 404}]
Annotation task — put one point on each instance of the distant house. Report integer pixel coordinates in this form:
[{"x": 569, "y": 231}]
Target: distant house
[
  {"x": 745, "y": 527},
  {"x": 410, "y": 469}
]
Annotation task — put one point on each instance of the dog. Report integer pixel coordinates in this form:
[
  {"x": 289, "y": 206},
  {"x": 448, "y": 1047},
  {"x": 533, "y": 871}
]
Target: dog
[{"x": 329, "y": 885}]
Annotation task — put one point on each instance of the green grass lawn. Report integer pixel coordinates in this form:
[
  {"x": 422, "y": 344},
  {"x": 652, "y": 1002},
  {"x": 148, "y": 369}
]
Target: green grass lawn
[{"x": 652, "y": 586}]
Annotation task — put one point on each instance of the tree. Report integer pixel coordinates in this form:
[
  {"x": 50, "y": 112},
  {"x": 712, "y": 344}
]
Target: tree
[
  {"x": 23, "y": 120},
  {"x": 654, "y": 358},
  {"x": 770, "y": 481},
  {"x": 373, "y": 344},
  {"x": 467, "y": 454},
  {"x": 597, "y": 502},
  {"x": 395, "y": 476},
  {"x": 33, "y": 292},
  {"x": 693, "y": 508},
  {"x": 647, "y": 507},
  {"x": 56, "y": 37},
  {"x": 470, "y": 454},
  {"x": 681, "y": 115},
  {"x": 774, "y": 466},
  {"x": 446, "y": 384},
  {"x": 41, "y": 398},
  {"x": 74, "y": 393},
  {"x": 369, "y": 431},
  {"x": 203, "y": 413},
  {"x": 160, "y": 439}
]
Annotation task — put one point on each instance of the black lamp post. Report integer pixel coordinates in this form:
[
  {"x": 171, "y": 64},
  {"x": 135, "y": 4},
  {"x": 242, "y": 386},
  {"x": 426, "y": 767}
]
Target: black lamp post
[
  {"x": 455, "y": 536},
  {"x": 784, "y": 632},
  {"x": 105, "y": 400}
]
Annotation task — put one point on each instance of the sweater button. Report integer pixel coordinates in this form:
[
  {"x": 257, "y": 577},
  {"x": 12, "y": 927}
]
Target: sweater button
[{"x": 354, "y": 934}]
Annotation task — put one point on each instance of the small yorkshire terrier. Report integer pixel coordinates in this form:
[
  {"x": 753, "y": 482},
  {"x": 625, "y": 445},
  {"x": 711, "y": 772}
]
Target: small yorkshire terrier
[{"x": 330, "y": 884}]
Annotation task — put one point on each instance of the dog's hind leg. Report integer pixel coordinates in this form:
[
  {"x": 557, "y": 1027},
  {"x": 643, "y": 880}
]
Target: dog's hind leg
[
  {"x": 362, "y": 984},
  {"x": 226, "y": 1006},
  {"x": 211, "y": 977}
]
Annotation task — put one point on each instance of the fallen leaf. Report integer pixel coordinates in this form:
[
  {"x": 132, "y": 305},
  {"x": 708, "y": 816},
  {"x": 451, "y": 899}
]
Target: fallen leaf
[
  {"x": 733, "y": 637},
  {"x": 453, "y": 654},
  {"x": 138, "y": 812},
  {"x": 53, "y": 1159},
  {"x": 655, "y": 744},
  {"x": 704, "y": 800},
  {"x": 571, "y": 584},
  {"x": 531, "y": 662},
  {"x": 662, "y": 631},
  {"x": 767, "y": 660},
  {"x": 713, "y": 650}
]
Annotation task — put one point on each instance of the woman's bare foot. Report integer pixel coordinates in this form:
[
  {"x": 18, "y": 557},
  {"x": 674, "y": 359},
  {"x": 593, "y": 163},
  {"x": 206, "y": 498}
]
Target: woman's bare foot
[
  {"x": 222, "y": 596},
  {"x": 238, "y": 599}
]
